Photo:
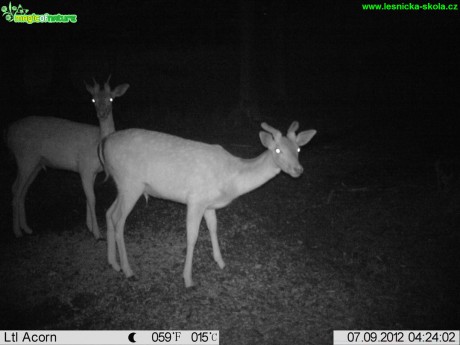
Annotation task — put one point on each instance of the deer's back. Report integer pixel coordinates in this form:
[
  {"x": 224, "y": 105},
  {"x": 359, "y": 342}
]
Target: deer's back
[
  {"x": 167, "y": 166},
  {"x": 58, "y": 143}
]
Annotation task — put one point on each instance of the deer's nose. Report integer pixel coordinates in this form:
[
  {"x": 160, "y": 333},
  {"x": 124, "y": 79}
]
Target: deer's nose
[
  {"x": 298, "y": 170},
  {"x": 103, "y": 113}
]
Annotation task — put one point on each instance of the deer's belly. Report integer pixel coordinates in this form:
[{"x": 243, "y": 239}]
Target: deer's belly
[{"x": 222, "y": 201}]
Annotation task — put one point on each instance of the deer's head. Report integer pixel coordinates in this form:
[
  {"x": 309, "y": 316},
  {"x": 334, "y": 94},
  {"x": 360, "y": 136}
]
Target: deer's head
[
  {"x": 103, "y": 97},
  {"x": 285, "y": 150}
]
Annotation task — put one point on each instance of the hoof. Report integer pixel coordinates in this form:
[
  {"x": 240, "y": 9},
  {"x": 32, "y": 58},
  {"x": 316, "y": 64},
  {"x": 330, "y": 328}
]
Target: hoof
[
  {"x": 192, "y": 286},
  {"x": 21, "y": 234},
  {"x": 115, "y": 267},
  {"x": 133, "y": 278}
]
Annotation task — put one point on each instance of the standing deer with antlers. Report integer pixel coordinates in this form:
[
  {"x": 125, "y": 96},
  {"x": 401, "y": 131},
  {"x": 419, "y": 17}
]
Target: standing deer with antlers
[
  {"x": 37, "y": 142},
  {"x": 202, "y": 176}
]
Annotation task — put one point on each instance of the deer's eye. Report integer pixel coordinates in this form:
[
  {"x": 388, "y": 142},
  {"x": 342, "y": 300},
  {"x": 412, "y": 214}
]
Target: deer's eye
[
  {"x": 93, "y": 100},
  {"x": 298, "y": 149},
  {"x": 111, "y": 99},
  {"x": 277, "y": 150}
]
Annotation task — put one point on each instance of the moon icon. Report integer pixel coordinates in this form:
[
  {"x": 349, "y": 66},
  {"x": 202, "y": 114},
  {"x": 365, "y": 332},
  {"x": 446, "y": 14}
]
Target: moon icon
[{"x": 131, "y": 337}]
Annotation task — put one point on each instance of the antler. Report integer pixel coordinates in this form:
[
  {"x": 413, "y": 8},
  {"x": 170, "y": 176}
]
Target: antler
[
  {"x": 106, "y": 84},
  {"x": 276, "y": 133},
  {"x": 292, "y": 129},
  {"x": 92, "y": 89},
  {"x": 96, "y": 85}
]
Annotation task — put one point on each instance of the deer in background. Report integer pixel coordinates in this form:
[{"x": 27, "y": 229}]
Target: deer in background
[
  {"x": 37, "y": 142},
  {"x": 202, "y": 176}
]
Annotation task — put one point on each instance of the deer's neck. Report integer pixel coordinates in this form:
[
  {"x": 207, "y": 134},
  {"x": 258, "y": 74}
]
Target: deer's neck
[
  {"x": 106, "y": 126},
  {"x": 256, "y": 172}
]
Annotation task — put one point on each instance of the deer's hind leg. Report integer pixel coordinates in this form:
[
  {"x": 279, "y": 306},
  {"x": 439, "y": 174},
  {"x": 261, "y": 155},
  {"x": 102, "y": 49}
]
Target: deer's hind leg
[
  {"x": 28, "y": 170},
  {"x": 116, "y": 219},
  {"x": 87, "y": 180}
]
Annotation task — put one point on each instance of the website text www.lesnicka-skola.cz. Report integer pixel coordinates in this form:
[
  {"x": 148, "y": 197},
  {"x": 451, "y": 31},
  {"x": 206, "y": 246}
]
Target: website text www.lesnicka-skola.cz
[{"x": 410, "y": 6}]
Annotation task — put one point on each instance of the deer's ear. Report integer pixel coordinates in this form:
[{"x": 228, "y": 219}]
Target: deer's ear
[
  {"x": 120, "y": 90},
  {"x": 304, "y": 137},
  {"x": 266, "y": 139}
]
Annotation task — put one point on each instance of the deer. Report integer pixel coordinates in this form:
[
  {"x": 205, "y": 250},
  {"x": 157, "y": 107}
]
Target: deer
[
  {"x": 204, "y": 177},
  {"x": 37, "y": 142}
]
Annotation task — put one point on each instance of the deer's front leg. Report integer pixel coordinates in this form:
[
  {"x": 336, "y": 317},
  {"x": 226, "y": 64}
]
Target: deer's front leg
[
  {"x": 211, "y": 222},
  {"x": 194, "y": 215}
]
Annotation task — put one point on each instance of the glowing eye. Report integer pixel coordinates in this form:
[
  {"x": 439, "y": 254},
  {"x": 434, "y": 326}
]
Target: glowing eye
[
  {"x": 277, "y": 150},
  {"x": 298, "y": 149},
  {"x": 93, "y": 100},
  {"x": 111, "y": 99}
]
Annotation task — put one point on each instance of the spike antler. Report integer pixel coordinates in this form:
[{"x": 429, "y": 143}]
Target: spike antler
[
  {"x": 106, "y": 84},
  {"x": 292, "y": 129},
  {"x": 96, "y": 85},
  {"x": 92, "y": 89},
  {"x": 276, "y": 133}
]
